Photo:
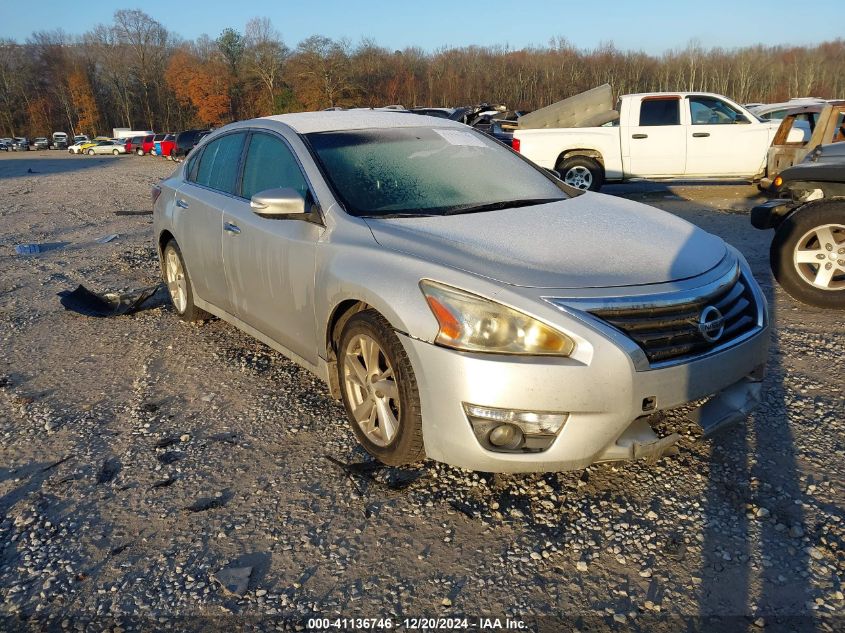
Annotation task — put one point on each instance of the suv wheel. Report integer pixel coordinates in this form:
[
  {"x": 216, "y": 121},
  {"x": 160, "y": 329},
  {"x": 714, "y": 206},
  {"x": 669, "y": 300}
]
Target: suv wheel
[
  {"x": 139, "y": 151},
  {"x": 807, "y": 255},
  {"x": 379, "y": 390}
]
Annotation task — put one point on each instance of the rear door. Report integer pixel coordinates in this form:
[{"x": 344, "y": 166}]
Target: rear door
[
  {"x": 722, "y": 140},
  {"x": 655, "y": 143},
  {"x": 210, "y": 186},
  {"x": 270, "y": 263}
]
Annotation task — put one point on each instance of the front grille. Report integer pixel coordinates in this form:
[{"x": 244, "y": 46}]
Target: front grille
[{"x": 668, "y": 333}]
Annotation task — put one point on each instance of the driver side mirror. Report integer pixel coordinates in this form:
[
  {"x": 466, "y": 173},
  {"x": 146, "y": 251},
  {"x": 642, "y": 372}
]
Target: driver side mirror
[{"x": 280, "y": 202}]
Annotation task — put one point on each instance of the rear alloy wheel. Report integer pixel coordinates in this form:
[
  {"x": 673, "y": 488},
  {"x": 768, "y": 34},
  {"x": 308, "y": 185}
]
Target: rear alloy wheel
[
  {"x": 90, "y": 152},
  {"x": 179, "y": 284},
  {"x": 581, "y": 172},
  {"x": 379, "y": 390},
  {"x": 115, "y": 152},
  {"x": 808, "y": 255}
]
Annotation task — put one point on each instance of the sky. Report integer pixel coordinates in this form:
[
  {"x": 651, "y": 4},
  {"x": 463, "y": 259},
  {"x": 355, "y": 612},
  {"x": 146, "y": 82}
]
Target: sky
[{"x": 651, "y": 26}]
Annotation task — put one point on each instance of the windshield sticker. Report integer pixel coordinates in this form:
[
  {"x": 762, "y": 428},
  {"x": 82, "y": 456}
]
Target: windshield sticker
[{"x": 460, "y": 137}]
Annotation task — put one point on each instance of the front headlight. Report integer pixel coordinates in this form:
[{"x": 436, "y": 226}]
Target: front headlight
[{"x": 474, "y": 324}]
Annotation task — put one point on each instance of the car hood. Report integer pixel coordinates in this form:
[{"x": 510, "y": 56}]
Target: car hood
[{"x": 589, "y": 241}]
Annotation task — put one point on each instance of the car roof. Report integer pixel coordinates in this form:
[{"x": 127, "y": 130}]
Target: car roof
[{"x": 339, "y": 120}]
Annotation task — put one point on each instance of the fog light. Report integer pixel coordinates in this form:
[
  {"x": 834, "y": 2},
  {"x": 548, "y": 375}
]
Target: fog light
[
  {"x": 505, "y": 436},
  {"x": 512, "y": 430}
]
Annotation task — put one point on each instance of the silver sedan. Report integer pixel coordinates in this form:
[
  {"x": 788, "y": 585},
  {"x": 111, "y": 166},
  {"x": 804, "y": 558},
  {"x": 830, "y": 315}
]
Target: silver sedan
[
  {"x": 107, "y": 147},
  {"x": 463, "y": 303}
]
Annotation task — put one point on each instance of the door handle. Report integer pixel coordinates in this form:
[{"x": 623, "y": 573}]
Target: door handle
[
  {"x": 182, "y": 204},
  {"x": 639, "y": 136},
  {"x": 230, "y": 228},
  {"x": 700, "y": 134}
]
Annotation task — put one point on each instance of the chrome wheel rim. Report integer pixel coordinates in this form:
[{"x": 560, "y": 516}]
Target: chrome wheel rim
[
  {"x": 819, "y": 257},
  {"x": 177, "y": 285},
  {"x": 579, "y": 177},
  {"x": 371, "y": 390}
]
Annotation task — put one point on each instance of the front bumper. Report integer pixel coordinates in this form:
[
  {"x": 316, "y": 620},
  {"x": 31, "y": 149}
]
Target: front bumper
[{"x": 604, "y": 399}]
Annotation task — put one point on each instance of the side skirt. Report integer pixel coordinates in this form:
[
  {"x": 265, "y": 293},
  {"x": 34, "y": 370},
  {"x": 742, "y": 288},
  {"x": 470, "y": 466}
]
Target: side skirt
[{"x": 321, "y": 369}]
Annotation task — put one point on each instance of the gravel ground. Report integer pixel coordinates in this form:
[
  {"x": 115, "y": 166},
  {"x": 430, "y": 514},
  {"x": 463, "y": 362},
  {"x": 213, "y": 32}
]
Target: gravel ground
[{"x": 142, "y": 459}]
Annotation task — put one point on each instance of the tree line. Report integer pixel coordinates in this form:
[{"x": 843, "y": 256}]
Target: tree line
[{"x": 136, "y": 73}]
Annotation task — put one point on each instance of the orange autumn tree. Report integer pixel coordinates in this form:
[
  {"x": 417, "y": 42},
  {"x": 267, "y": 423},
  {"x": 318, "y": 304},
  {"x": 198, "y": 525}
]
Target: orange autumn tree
[
  {"x": 201, "y": 84},
  {"x": 87, "y": 114}
]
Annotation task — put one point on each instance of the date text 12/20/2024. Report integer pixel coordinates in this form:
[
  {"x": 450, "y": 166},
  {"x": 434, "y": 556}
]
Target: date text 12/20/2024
[{"x": 416, "y": 624}]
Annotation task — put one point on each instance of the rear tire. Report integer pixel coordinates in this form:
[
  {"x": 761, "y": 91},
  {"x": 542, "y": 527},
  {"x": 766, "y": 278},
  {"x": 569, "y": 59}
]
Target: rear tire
[
  {"x": 581, "y": 172},
  {"x": 90, "y": 152},
  {"x": 179, "y": 284},
  {"x": 807, "y": 255},
  {"x": 139, "y": 151},
  {"x": 379, "y": 390},
  {"x": 115, "y": 152}
]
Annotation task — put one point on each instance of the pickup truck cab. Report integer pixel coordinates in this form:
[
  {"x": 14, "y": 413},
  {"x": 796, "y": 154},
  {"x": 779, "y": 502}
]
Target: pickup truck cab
[{"x": 666, "y": 135}]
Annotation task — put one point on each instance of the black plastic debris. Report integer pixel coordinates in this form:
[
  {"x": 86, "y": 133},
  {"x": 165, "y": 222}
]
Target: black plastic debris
[
  {"x": 111, "y": 304},
  {"x": 34, "y": 249},
  {"x": 129, "y": 212},
  {"x": 169, "y": 457},
  {"x": 210, "y": 503},
  {"x": 164, "y": 483},
  {"x": 110, "y": 469},
  {"x": 165, "y": 442}
]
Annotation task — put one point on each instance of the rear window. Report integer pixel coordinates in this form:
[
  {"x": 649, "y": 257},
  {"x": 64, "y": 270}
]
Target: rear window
[
  {"x": 660, "y": 112},
  {"x": 218, "y": 166}
]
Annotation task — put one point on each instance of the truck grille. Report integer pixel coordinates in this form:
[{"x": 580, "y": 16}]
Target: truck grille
[{"x": 682, "y": 331}]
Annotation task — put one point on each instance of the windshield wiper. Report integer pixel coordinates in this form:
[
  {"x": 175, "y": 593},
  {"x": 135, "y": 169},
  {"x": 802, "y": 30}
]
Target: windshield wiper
[{"x": 504, "y": 204}]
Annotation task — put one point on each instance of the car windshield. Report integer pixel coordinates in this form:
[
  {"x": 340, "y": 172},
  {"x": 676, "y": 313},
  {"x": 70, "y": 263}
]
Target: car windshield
[{"x": 427, "y": 171}]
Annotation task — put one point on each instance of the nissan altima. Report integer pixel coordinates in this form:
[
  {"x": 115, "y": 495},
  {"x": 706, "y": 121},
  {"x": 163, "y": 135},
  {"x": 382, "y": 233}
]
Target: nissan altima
[{"x": 464, "y": 304}]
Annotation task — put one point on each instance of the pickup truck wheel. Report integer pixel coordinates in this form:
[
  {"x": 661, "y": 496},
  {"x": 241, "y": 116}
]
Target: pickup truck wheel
[
  {"x": 581, "y": 172},
  {"x": 807, "y": 255},
  {"x": 379, "y": 390},
  {"x": 179, "y": 284}
]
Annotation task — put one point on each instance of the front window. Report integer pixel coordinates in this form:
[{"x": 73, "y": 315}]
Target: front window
[
  {"x": 711, "y": 111},
  {"x": 425, "y": 171}
]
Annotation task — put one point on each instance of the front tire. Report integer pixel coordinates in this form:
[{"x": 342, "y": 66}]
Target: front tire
[
  {"x": 115, "y": 152},
  {"x": 139, "y": 151},
  {"x": 179, "y": 284},
  {"x": 807, "y": 255},
  {"x": 379, "y": 390},
  {"x": 90, "y": 152},
  {"x": 581, "y": 172}
]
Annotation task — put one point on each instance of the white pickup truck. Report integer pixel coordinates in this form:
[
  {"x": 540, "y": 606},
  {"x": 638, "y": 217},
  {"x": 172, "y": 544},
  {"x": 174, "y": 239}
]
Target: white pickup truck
[{"x": 660, "y": 136}]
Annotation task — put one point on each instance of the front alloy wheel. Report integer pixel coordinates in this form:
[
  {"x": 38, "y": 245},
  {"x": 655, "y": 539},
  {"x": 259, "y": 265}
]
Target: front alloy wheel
[
  {"x": 379, "y": 390},
  {"x": 807, "y": 255}
]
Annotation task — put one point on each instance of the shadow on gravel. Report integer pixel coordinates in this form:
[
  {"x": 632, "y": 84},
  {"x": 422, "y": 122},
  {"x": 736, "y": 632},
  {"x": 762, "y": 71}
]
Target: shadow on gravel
[{"x": 36, "y": 166}]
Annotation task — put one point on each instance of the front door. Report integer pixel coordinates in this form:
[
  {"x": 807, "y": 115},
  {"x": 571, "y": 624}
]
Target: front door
[
  {"x": 722, "y": 141},
  {"x": 270, "y": 262}
]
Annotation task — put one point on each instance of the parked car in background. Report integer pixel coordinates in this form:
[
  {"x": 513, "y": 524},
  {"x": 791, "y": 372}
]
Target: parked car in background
[
  {"x": 665, "y": 135},
  {"x": 40, "y": 142},
  {"x": 777, "y": 111},
  {"x": 148, "y": 144},
  {"x": 80, "y": 146},
  {"x": 112, "y": 146},
  {"x": 5, "y": 145},
  {"x": 123, "y": 133},
  {"x": 133, "y": 143},
  {"x": 446, "y": 289},
  {"x": 452, "y": 114},
  {"x": 807, "y": 254},
  {"x": 186, "y": 141},
  {"x": 165, "y": 146},
  {"x": 825, "y": 124},
  {"x": 20, "y": 144},
  {"x": 59, "y": 141}
]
